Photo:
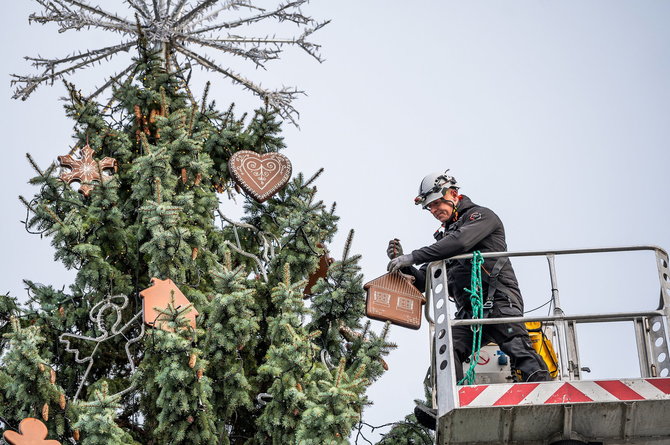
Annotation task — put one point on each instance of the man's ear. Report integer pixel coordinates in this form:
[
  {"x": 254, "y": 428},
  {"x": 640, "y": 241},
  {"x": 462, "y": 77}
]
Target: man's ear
[{"x": 453, "y": 193}]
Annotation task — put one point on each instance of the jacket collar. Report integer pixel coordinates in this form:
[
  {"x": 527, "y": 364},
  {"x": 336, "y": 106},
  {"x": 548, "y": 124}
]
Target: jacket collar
[{"x": 464, "y": 204}]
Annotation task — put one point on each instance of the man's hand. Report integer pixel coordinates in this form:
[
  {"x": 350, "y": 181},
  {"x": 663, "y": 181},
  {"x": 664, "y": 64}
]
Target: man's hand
[
  {"x": 394, "y": 249},
  {"x": 400, "y": 262}
]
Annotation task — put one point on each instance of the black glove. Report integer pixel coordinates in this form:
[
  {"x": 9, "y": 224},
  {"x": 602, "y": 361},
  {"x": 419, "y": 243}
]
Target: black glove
[
  {"x": 400, "y": 262},
  {"x": 394, "y": 249}
]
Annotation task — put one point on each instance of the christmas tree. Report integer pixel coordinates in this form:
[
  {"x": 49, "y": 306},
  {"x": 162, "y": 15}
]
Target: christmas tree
[{"x": 183, "y": 326}]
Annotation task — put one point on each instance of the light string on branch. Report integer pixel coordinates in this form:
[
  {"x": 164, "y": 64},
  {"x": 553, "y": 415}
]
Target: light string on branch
[
  {"x": 424, "y": 435},
  {"x": 266, "y": 238}
]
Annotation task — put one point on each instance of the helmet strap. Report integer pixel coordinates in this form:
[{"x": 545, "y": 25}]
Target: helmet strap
[
  {"x": 454, "y": 206},
  {"x": 455, "y": 216}
]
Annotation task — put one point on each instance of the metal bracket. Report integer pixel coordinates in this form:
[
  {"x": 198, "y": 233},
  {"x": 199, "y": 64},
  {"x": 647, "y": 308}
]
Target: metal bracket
[{"x": 445, "y": 373}]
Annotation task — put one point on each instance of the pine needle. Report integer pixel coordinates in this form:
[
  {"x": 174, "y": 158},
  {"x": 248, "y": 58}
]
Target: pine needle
[{"x": 347, "y": 245}]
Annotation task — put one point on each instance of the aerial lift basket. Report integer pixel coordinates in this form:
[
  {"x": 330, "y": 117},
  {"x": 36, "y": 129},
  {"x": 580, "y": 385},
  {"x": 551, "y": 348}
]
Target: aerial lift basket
[{"x": 567, "y": 409}]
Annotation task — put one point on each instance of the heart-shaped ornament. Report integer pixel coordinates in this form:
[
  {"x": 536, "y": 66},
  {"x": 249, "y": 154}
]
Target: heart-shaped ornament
[{"x": 260, "y": 175}]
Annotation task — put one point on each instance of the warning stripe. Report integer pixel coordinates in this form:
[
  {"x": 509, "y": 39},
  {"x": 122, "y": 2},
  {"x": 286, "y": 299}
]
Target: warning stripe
[
  {"x": 568, "y": 394},
  {"x": 619, "y": 390},
  {"x": 662, "y": 384},
  {"x": 469, "y": 393},
  {"x": 511, "y": 394},
  {"x": 516, "y": 394}
]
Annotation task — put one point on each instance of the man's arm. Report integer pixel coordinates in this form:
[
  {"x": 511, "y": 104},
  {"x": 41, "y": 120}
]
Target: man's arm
[
  {"x": 418, "y": 274},
  {"x": 477, "y": 226},
  {"x": 394, "y": 250}
]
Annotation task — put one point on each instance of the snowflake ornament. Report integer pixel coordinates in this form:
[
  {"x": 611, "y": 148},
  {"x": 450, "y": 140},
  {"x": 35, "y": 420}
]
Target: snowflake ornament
[
  {"x": 183, "y": 30},
  {"x": 85, "y": 170}
]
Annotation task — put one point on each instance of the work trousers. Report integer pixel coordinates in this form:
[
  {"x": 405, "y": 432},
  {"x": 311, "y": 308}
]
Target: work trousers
[{"x": 511, "y": 338}]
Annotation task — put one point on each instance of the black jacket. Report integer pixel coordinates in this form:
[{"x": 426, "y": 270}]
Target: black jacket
[{"x": 477, "y": 228}]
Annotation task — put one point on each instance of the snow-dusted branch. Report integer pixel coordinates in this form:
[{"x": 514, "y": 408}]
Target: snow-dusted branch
[
  {"x": 176, "y": 26},
  {"x": 141, "y": 7},
  {"x": 112, "y": 80},
  {"x": 90, "y": 57},
  {"x": 280, "y": 13},
  {"x": 197, "y": 9},
  {"x": 256, "y": 54},
  {"x": 280, "y": 99}
]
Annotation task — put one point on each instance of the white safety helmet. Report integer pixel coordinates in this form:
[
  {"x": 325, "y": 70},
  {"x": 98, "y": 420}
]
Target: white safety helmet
[{"x": 434, "y": 186}]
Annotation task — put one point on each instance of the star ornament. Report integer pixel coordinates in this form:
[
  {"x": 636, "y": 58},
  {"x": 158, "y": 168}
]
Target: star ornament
[
  {"x": 194, "y": 32},
  {"x": 85, "y": 169}
]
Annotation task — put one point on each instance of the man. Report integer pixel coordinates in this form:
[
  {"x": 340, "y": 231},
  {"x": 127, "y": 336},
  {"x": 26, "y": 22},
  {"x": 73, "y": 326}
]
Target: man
[{"x": 467, "y": 227}]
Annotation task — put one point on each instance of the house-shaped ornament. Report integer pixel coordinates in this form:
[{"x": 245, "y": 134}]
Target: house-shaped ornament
[
  {"x": 158, "y": 297},
  {"x": 393, "y": 298}
]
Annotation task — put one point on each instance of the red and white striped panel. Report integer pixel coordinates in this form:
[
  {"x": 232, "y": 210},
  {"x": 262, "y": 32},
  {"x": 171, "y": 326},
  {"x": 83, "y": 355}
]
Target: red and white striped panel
[{"x": 509, "y": 394}]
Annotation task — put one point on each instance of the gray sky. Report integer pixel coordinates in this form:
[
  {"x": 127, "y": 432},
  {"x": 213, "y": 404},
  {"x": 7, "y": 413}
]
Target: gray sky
[{"x": 552, "y": 113}]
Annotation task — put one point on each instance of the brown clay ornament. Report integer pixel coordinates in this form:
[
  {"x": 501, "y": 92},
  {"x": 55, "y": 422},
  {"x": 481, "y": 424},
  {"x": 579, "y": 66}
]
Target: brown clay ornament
[
  {"x": 31, "y": 432},
  {"x": 393, "y": 298},
  {"x": 86, "y": 169},
  {"x": 321, "y": 271},
  {"x": 260, "y": 175},
  {"x": 159, "y": 296}
]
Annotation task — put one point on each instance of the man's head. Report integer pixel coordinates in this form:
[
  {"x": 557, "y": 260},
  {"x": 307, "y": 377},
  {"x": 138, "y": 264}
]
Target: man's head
[{"x": 438, "y": 193}]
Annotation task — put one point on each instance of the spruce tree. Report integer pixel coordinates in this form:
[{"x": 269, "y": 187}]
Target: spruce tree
[{"x": 263, "y": 365}]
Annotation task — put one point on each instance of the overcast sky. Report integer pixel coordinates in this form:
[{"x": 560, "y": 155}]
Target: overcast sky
[{"x": 552, "y": 113}]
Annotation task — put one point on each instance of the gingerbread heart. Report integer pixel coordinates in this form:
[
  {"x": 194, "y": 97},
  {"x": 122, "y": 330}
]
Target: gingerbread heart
[
  {"x": 31, "y": 432},
  {"x": 260, "y": 175}
]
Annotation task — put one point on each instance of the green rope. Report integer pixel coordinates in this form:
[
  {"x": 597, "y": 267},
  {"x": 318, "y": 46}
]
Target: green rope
[{"x": 477, "y": 303}]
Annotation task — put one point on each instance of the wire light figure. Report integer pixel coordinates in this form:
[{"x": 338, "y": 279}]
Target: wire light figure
[
  {"x": 101, "y": 314},
  {"x": 182, "y": 30}
]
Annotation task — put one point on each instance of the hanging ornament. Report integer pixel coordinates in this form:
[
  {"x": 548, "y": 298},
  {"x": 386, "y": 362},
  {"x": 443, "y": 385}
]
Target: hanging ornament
[
  {"x": 85, "y": 170},
  {"x": 31, "y": 432},
  {"x": 157, "y": 298},
  {"x": 260, "y": 175},
  {"x": 392, "y": 297},
  {"x": 321, "y": 271}
]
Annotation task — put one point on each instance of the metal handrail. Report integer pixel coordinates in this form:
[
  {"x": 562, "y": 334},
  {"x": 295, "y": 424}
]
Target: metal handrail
[
  {"x": 561, "y": 252},
  {"x": 648, "y": 345},
  {"x": 585, "y": 318}
]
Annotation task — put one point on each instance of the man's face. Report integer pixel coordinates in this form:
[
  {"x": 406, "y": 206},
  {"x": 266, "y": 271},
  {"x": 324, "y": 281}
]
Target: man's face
[{"x": 441, "y": 210}]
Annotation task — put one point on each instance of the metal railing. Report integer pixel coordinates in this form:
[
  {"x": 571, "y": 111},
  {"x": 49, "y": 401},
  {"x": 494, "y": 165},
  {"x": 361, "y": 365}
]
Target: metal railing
[{"x": 651, "y": 327}]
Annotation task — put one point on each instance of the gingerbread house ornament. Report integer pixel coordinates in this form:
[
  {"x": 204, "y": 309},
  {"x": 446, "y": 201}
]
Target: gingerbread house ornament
[
  {"x": 158, "y": 297},
  {"x": 392, "y": 297},
  {"x": 259, "y": 175}
]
